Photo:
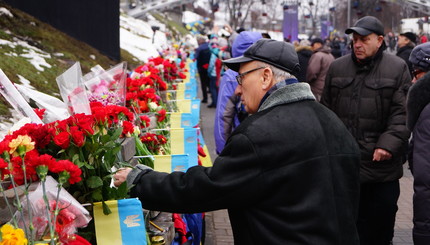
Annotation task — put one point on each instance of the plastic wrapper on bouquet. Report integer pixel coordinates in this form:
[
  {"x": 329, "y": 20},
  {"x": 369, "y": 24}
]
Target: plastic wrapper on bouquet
[
  {"x": 73, "y": 91},
  {"x": 11, "y": 94},
  {"x": 55, "y": 108},
  {"x": 72, "y": 214},
  {"x": 107, "y": 87}
]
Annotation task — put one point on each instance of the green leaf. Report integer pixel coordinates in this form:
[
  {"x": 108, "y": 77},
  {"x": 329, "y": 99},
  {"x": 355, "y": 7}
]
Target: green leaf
[
  {"x": 97, "y": 195},
  {"x": 75, "y": 158},
  {"x": 88, "y": 166},
  {"x": 106, "y": 209},
  {"x": 105, "y": 139},
  {"x": 94, "y": 182},
  {"x": 122, "y": 191},
  {"x": 117, "y": 133},
  {"x": 80, "y": 164}
]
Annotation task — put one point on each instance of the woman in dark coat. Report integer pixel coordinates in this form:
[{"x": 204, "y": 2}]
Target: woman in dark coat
[{"x": 418, "y": 112}]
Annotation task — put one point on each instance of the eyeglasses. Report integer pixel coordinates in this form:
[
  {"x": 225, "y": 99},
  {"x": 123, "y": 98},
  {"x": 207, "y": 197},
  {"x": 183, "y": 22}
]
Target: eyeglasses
[
  {"x": 416, "y": 72},
  {"x": 241, "y": 75}
]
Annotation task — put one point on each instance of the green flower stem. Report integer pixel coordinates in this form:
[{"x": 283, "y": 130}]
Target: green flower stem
[
  {"x": 18, "y": 202},
  {"x": 56, "y": 211},
  {"x": 48, "y": 213},
  {"x": 30, "y": 213},
  {"x": 15, "y": 223}
]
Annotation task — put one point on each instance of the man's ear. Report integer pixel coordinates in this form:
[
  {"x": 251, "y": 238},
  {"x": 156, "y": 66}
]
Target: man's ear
[
  {"x": 380, "y": 40},
  {"x": 267, "y": 78}
]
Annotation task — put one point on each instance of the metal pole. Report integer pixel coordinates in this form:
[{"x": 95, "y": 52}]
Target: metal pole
[{"x": 349, "y": 14}]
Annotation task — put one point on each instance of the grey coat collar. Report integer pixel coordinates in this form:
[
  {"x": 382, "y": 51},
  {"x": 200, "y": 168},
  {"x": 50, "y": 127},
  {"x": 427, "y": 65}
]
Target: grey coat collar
[{"x": 288, "y": 94}]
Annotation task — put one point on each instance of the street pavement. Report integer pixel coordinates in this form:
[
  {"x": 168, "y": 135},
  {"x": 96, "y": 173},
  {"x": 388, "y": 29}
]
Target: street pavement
[{"x": 218, "y": 229}]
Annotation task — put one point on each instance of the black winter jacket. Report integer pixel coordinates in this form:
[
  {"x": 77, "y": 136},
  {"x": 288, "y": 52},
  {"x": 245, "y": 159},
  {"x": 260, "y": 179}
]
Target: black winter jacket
[
  {"x": 289, "y": 174},
  {"x": 418, "y": 111},
  {"x": 404, "y": 53},
  {"x": 370, "y": 100}
]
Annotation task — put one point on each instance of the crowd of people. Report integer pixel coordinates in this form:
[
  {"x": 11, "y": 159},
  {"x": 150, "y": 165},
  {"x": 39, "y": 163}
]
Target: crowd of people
[{"x": 311, "y": 138}]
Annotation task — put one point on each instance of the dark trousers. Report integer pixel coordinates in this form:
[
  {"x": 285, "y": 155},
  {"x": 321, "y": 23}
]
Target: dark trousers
[
  {"x": 213, "y": 89},
  {"x": 377, "y": 212},
  {"x": 204, "y": 83}
]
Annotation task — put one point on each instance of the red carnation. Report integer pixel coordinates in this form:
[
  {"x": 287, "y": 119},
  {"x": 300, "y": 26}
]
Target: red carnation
[
  {"x": 40, "y": 112},
  {"x": 161, "y": 114},
  {"x": 145, "y": 121},
  {"x": 128, "y": 127}
]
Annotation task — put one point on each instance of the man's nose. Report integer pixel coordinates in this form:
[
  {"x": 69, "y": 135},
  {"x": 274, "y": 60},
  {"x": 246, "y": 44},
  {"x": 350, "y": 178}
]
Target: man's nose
[{"x": 238, "y": 90}]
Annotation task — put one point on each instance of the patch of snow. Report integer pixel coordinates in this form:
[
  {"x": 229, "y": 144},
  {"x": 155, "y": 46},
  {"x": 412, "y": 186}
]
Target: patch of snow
[
  {"x": 137, "y": 37},
  {"x": 58, "y": 54},
  {"x": 35, "y": 55},
  {"x": 92, "y": 56},
  {"x": 11, "y": 54},
  {"x": 5, "y": 11},
  {"x": 6, "y": 42},
  {"x": 5, "y": 127},
  {"x": 188, "y": 17},
  {"x": 25, "y": 82}
]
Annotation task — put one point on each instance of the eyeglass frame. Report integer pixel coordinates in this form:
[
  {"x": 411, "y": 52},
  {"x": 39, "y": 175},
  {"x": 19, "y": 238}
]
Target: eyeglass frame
[{"x": 241, "y": 75}]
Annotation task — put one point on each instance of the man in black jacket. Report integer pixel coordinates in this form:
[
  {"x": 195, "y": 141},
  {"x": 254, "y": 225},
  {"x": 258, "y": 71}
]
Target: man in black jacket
[
  {"x": 289, "y": 174},
  {"x": 366, "y": 90},
  {"x": 203, "y": 55}
]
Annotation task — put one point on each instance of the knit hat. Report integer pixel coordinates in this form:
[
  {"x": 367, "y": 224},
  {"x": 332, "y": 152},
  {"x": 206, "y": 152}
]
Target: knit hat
[{"x": 420, "y": 57}]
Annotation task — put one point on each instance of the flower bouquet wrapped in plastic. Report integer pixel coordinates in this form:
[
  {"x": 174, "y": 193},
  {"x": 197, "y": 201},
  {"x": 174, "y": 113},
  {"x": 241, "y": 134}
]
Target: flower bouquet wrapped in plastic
[
  {"x": 107, "y": 87},
  {"x": 73, "y": 91}
]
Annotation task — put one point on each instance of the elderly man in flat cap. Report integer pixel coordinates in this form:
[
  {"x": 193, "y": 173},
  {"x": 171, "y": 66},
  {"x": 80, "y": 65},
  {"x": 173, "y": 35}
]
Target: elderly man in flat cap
[
  {"x": 289, "y": 173},
  {"x": 366, "y": 89}
]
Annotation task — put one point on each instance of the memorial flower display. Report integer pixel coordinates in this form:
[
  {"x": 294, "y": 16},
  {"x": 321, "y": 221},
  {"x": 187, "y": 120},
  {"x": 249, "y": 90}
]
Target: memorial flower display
[{"x": 56, "y": 168}]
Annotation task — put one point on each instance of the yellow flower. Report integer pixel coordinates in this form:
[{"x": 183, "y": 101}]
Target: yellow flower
[
  {"x": 12, "y": 236},
  {"x": 21, "y": 145}
]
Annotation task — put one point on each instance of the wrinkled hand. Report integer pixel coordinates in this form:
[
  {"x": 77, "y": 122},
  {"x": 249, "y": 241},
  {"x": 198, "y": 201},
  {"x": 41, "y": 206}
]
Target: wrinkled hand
[
  {"x": 121, "y": 176},
  {"x": 381, "y": 155}
]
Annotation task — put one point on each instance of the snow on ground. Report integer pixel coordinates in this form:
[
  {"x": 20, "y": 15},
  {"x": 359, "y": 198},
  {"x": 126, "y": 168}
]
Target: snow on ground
[
  {"x": 5, "y": 11},
  {"x": 137, "y": 37},
  {"x": 34, "y": 55}
]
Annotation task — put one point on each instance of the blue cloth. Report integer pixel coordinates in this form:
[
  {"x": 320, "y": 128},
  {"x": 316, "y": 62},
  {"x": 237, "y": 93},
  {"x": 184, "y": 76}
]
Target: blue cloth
[{"x": 226, "y": 119}]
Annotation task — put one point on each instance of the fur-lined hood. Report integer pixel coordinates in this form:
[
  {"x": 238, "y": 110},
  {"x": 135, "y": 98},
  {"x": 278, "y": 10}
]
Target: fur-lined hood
[{"x": 418, "y": 98}]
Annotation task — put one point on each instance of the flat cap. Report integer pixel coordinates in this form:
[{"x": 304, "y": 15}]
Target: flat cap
[
  {"x": 279, "y": 54},
  {"x": 366, "y": 26}
]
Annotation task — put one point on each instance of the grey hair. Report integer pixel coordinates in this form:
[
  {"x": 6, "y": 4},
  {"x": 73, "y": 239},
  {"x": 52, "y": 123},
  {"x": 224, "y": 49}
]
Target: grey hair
[{"x": 278, "y": 74}]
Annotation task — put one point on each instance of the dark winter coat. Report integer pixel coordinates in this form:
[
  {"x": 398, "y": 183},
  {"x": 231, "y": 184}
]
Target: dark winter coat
[
  {"x": 304, "y": 53},
  {"x": 203, "y": 55},
  {"x": 289, "y": 174},
  {"x": 418, "y": 111},
  {"x": 370, "y": 100},
  {"x": 404, "y": 53}
]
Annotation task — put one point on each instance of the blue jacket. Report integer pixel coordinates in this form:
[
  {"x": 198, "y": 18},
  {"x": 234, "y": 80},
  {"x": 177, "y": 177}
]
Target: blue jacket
[{"x": 226, "y": 119}]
